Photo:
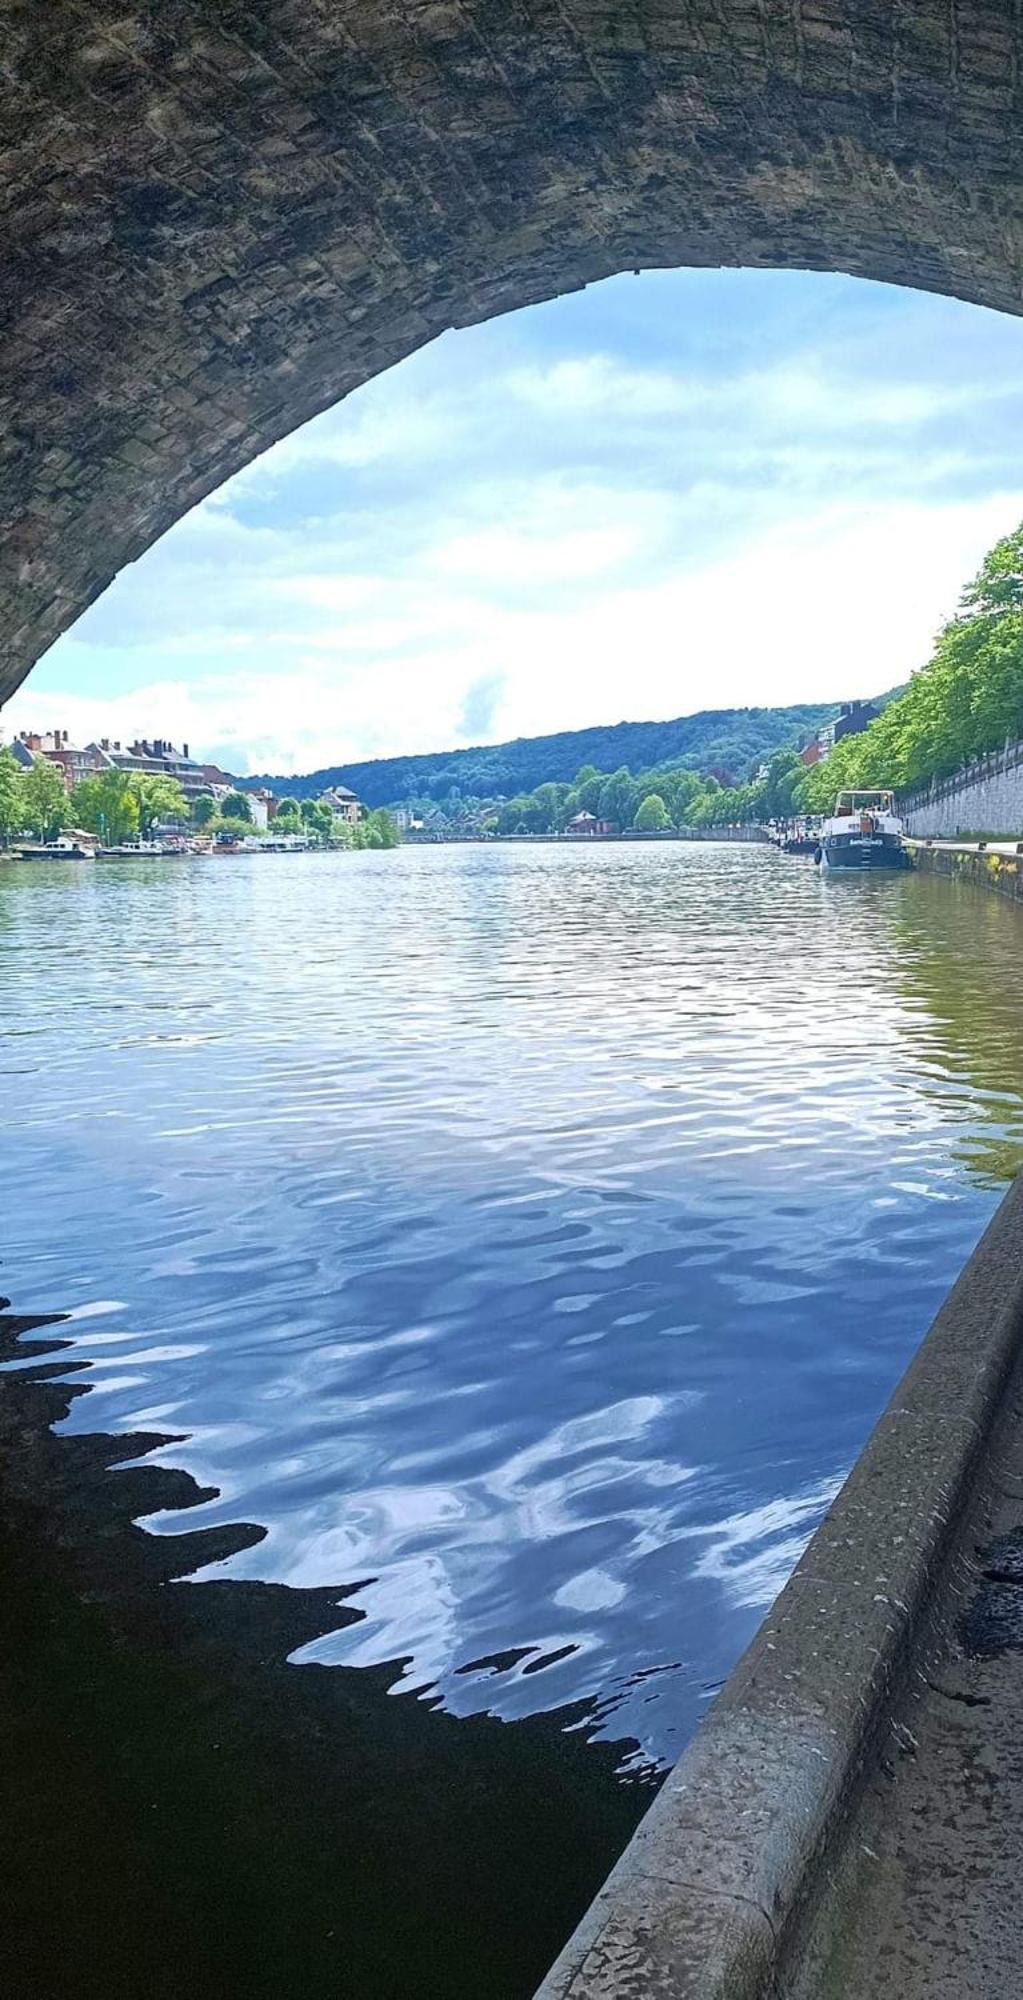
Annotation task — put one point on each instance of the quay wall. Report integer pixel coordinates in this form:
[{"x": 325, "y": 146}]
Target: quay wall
[
  {"x": 984, "y": 797},
  {"x": 985, "y": 868}
]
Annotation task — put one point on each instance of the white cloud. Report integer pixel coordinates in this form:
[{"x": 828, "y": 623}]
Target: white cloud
[
  {"x": 841, "y": 602},
  {"x": 747, "y": 511},
  {"x": 597, "y": 383},
  {"x": 803, "y": 390},
  {"x": 351, "y": 437}
]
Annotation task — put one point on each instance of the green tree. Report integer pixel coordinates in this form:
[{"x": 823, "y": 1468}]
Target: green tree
[
  {"x": 44, "y": 800},
  {"x": 587, "y": 788},
  {"x": 235, "y": 805},
  {"x": 998, "y": 585},
  {"x": 651, "y": 814},
  {"x": 317, "y": 818},
  {"x": 548, "y": 801},
  {"x": 701, "y": 808},
  {"x": 287, "y": 805},
  {"x": 618, "y": 797},
  {"x": 158, "y": 798},
  {"x": 107, "y": 805},
  {"x": 203, "y": 809},
  {"x": 12, "y": 808},
  {"x": 678, "y": 789},
  {"x": 774, "y": 796},
  {"x": 967, "y": 699},
  {"x": 384, "y": 828},
  {"x": 520, "y": 815}
]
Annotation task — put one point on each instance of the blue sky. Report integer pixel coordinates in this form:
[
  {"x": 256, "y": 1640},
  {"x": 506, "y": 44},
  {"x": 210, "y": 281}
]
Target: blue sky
[{"x": 682, "y": 490}]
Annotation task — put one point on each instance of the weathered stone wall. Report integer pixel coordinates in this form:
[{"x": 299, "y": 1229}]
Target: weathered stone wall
[
  {"x": 218, "y": 216},
  {"x": 987, "y": 798},
  {"x": 1001, "y": 872}
]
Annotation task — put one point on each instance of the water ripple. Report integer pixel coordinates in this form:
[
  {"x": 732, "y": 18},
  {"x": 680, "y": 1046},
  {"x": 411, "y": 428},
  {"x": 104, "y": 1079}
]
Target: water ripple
[{"x": 525, "y": 1238}]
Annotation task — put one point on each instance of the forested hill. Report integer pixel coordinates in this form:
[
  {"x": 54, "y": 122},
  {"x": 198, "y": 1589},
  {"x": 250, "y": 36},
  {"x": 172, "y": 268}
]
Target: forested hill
[{"x": 731, "y": 739}]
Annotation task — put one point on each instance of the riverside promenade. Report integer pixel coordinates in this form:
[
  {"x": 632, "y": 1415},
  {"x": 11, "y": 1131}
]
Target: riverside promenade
[{"x": 848, "y": 1822}]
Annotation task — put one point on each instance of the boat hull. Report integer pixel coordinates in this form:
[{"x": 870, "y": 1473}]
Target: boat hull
[
  {"x": 854, "y": 854},
  {"x": 54, "y": 854}
]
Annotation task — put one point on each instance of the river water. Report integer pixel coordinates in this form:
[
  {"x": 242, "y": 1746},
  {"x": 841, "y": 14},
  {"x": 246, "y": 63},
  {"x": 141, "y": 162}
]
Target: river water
[{"x": 506, "y": 1250}]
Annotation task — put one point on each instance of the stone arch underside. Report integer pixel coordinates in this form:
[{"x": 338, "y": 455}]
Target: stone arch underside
[{"x": 220, "y": 216}]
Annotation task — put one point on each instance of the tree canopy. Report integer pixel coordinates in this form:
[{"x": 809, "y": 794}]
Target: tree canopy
[
  {"x": 107, "y": 804},
  {"x": 968, "y": 699},
  {"x": 159, "y": 798},
  {"x": 235, "y": 805},
  {"x": 44, "y": 800},
  {"x": 651, "y": 814},
  {"x": 10, "y": 796},
  {"x": 118, "y": 805}
]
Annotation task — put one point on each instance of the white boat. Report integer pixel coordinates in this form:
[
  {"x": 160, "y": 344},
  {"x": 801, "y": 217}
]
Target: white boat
[
  {"x": 134, "y": 850},
  {"x": 864, "y": 831},
  {"x": 67, "y": 848}
]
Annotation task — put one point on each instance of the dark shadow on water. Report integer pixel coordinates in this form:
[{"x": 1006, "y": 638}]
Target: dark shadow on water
[{"x": 186, "y": 1814}]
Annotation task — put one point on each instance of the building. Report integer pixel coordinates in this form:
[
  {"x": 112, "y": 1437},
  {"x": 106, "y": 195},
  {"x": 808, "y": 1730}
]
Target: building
[
  {"x": 158, "y": 759},
  {"x": 588, "y": 827},
  {"x": 217, "y": 780},
  {"x": 819, "y": 746},
  {"x": 263, "y": 807},
  {"x": 856, "y": 716},
  {"x": 343, "y": 804},
  {"x": 55, "y": 747}
]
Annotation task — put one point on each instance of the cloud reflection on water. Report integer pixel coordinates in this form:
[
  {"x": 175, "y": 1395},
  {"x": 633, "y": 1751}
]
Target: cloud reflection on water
[{"x": 536, "y": 1242}]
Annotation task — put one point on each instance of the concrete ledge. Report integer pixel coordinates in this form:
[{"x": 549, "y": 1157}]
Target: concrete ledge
[
  {"x": 704, "y": 1897},
  {"x": 998, "y": 865}
]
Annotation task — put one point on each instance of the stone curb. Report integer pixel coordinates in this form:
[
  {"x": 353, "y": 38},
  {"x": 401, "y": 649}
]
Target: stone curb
[{"x": 703, "y": 1898}]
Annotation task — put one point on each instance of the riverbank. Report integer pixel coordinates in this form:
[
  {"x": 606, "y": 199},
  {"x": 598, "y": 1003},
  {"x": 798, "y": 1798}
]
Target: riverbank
[
  {"x": 631, "y": 836},
  {"x": 984, "y": 864}
]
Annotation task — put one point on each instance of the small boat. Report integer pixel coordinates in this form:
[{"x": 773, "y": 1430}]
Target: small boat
[
  {"x": 800, "y": 838},
  {"x": 67, "y": 848},
  {"x": 863, "y": 832},
  {"x": 135, "y": 850}
]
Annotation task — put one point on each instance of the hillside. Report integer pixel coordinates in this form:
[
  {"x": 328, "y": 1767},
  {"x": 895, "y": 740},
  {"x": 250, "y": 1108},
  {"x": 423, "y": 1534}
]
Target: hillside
[{"x": 733, "y": 739}]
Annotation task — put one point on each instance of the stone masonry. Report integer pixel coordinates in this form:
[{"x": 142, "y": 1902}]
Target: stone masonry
[
  {"x": 987, "y": 797},
  {"x": 219, "y": 216}
]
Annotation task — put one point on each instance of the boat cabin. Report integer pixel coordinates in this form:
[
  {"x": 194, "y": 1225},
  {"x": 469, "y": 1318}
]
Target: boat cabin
[{"x": 870, "y": 808}]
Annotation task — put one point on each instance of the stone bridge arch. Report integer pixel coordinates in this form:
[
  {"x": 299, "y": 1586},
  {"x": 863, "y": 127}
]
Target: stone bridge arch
[{"x": 219, "y": 216}]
